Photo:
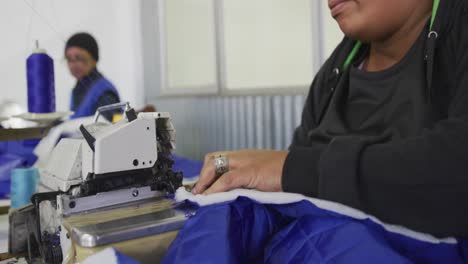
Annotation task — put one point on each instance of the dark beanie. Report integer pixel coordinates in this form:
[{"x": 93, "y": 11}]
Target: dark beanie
[{"x": 85, "y": 41}]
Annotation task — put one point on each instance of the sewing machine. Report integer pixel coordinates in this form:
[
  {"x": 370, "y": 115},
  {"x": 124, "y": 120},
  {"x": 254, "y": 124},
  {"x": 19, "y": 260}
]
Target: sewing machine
[{"x": 107, "y": 188}]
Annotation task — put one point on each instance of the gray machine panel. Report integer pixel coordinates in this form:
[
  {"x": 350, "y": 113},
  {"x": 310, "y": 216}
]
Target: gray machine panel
[{"x": 129, "y": 228}]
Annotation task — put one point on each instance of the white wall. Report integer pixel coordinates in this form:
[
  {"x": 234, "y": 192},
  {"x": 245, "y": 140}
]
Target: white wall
[{"x": 115, "y": 23}]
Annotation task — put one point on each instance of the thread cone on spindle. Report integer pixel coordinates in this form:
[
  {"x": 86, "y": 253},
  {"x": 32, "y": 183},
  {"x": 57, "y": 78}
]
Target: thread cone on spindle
[{"x": 41, "y": 83}]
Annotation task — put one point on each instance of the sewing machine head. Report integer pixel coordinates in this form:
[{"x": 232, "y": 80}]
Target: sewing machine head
[
  {"x": 112, "y": 166},
  {"x": 133, "y": 152}
]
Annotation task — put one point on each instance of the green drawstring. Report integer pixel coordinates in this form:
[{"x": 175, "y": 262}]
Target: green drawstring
[
  {"x": 351, "y": 56},
  {"x": 435, "y": 6}
]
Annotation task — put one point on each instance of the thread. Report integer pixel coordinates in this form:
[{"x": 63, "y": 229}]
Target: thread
[
  {"x": 41, "y": 85},
  {"x": 23, "y": 186}
]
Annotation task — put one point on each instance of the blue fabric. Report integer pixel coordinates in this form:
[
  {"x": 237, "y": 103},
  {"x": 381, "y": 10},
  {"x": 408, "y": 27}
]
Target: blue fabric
[
  {"x": 88, "y": 105},
  {"x": 5, "y": 189},
  {"x": 8, "y": 162},
  {"x": 244, "y": 231},
  {"x": 21, "y": 148},
  {"x": 190, "y": 168},
  {"x": 14, "y": 154}
]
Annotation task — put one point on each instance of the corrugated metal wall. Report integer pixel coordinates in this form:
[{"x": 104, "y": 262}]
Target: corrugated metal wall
[{"x": 207, "y": 124}]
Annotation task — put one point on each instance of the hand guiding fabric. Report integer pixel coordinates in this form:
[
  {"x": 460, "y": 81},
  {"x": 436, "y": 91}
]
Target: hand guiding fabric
[{"x": 251, "y": 169}]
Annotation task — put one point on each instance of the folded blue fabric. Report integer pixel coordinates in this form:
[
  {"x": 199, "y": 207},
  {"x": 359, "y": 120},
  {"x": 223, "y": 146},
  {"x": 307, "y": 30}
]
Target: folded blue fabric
[{"x": 244, "y": 231}]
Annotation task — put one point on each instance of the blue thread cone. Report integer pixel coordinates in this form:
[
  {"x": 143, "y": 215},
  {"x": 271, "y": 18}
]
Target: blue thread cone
[{"x": 41, "y": 86}]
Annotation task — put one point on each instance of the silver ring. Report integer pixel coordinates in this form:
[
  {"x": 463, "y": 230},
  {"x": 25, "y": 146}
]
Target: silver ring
[{"x": 221, "y": 164}]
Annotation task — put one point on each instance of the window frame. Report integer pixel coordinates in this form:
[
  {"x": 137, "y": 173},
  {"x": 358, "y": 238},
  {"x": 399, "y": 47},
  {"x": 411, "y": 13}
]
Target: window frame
[{"x": 220, "y": 87}]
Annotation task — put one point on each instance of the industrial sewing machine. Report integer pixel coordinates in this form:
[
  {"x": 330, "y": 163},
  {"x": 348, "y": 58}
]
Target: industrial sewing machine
[{"x": 105, "y": 188}]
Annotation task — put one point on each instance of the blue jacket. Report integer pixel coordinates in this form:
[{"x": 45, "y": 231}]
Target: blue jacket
[{"x": 88, "y": 105}]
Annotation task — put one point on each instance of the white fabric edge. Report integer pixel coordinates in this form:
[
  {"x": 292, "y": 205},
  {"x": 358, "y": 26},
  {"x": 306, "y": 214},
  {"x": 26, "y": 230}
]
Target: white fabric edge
[
  {"x": 107, "y": 255},
  {"x": 287, "y": 198}
]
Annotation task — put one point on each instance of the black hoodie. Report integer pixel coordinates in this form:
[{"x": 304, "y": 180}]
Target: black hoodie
[{"x": 411, "y": 170}]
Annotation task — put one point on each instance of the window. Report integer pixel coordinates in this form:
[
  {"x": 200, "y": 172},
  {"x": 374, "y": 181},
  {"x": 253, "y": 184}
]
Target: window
[
  {"x": 267, "y": 43},
  {"x": 238, "y": 46},
  {"x": 189, "y": 46}
]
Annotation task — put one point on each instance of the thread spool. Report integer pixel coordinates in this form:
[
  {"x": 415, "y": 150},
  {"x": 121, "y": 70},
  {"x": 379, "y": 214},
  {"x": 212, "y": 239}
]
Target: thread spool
[
  {"x": 23, "y": 186},
  {"x": 41, "y": 85}
]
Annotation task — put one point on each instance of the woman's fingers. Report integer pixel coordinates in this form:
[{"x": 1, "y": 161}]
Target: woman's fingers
[
  {"x": 228, "y": 181},
  {"x": 207, "y": 174},
  {"x": 259, "y": 169}
]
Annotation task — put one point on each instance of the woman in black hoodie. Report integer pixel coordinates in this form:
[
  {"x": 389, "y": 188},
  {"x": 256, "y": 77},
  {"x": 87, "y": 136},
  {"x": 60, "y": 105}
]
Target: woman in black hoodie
[{"x": 385, "y": 125}]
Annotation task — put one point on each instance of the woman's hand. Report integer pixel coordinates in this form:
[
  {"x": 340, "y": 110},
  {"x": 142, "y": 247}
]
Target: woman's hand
[{"x": 251, "y": 169}]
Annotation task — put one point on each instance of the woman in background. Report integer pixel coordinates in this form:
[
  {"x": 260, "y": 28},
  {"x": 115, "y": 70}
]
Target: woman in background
[{"x": 92, "y": 89}]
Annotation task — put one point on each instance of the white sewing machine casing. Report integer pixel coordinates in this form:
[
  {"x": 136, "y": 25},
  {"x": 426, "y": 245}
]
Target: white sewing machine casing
[
  {"x": 109, "y": 150},
  {"x": 112, "y": 166}
]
